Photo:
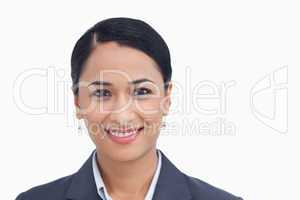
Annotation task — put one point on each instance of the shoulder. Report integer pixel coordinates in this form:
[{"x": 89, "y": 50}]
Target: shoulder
[
  {"x": 55, "y": 189},
  {"x": 199, "y": 188}
]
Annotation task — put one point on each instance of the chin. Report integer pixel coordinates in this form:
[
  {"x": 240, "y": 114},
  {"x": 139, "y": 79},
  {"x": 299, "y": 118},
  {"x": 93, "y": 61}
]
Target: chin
[{"x": 129, "y": 153}]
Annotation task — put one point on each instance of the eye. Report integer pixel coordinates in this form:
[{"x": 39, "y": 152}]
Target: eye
[
  {"x": 142, "y": 91},
  {"x": 101, "y": 93}
]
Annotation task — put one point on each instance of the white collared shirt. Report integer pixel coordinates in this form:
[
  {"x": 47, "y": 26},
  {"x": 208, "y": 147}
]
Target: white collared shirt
[{"x": 101, "y": 189}]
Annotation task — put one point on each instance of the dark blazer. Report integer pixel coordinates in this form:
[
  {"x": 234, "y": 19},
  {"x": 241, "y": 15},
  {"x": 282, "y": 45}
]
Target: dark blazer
[{"x": 172, "y": 184}]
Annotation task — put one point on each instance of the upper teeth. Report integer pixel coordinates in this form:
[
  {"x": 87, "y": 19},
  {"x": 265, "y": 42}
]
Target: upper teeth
[{"x": 122, "y": 134}]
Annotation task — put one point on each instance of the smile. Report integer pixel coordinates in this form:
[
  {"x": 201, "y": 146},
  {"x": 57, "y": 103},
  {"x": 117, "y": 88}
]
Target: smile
[{"x": 123, "y": 136}]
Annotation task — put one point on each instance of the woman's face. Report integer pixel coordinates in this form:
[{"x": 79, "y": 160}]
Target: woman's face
[{"x": 121, "y": 89}]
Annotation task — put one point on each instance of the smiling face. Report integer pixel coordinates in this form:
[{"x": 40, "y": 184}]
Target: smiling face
[{"x": 121, "y": 89}]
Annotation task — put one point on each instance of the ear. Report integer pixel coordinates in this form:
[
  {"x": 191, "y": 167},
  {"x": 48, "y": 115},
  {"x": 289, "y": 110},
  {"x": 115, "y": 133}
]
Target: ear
[
  {"x": 167, "y": 99},
  {"x": 77, "y": 106}
]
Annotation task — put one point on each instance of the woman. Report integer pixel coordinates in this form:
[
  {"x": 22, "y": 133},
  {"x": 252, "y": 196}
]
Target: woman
[{"x": 121, "y": 73}]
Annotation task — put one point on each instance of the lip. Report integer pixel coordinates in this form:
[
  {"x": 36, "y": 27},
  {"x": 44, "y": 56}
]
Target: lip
[{"x": 124, "y": 139}]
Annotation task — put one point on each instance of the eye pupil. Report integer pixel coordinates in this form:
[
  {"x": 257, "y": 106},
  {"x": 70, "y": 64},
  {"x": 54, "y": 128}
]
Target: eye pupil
[
  {"x": 100, "y": 93},
  {"x": 142, "y": 91}
]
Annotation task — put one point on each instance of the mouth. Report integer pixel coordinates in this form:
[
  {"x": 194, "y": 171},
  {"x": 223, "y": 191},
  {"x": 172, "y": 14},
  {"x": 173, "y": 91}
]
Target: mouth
[{"x": 123, "y": 136}]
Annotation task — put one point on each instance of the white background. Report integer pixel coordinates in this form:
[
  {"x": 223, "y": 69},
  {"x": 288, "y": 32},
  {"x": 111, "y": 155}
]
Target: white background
[{"x": 218, "y": 41}]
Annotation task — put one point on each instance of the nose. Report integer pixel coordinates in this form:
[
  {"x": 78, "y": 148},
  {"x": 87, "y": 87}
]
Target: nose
[{"x": 122, "y": 113}]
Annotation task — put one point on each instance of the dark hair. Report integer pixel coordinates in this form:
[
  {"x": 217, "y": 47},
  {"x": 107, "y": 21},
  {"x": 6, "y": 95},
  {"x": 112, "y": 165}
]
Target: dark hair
[{"x": 130, "y": 32}]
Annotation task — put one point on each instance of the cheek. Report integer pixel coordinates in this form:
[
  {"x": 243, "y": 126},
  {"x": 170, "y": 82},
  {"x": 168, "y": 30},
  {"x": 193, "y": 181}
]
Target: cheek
[
  {"x": 149, "y": 108},
  {"x": 151, "y": 115},
  {"x": 93, "y": 121}
]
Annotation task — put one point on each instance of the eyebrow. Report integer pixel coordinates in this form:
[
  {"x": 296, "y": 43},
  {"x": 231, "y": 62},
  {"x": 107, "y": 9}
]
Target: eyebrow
[{"x": 130, "y": 82}]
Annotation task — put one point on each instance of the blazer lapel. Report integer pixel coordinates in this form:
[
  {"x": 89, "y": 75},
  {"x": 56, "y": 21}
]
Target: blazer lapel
[
  {"x": 171, "y": 184},
  {"x": 83, "y": 185}
]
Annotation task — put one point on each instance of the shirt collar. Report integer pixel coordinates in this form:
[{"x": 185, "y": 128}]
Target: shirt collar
[{"x": 101, "y": 187}]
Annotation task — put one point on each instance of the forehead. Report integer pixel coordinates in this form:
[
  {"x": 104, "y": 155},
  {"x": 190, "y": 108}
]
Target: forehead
[{"x": 113, "y": 60}]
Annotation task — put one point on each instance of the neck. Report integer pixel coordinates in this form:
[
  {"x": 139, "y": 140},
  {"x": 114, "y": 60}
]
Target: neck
[{"x": 130, "y": 177}]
